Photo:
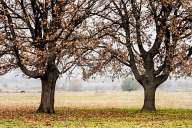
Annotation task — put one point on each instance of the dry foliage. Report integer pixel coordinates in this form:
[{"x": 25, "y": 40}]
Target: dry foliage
[
  {"x": 36, "y": 34},
  {"x": 145, "y": 35}
]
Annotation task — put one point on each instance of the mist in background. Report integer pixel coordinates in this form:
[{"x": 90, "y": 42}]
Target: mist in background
[{"x": 17, "y": 82}]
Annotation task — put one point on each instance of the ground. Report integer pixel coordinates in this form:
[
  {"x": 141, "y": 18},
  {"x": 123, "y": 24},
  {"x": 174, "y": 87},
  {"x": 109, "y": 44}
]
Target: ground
[{"x": 96, "y": 109}]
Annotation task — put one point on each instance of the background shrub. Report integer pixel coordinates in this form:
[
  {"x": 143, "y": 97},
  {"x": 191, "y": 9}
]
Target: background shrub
[{"x": 130, "y": 84}]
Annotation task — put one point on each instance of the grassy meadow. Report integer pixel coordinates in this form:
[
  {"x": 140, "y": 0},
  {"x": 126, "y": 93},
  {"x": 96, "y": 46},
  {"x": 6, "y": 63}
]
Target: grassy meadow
[{"x": 96, "y": 110}]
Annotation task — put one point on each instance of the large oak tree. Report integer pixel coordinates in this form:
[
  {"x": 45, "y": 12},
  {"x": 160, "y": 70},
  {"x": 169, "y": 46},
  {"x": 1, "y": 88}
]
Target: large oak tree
[
  {"x": 43, "y": 38},
  {"x": 143, "y": 35}
]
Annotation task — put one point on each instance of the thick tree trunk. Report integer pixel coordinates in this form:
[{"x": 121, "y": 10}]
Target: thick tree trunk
[
  {"x": 48, "y": 93},
  {"x": 149, "y": 98}
]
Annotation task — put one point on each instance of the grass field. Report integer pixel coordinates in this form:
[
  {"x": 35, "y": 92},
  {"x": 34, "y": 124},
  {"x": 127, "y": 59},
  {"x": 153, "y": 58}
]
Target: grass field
[{"x": 96, "y": 110}]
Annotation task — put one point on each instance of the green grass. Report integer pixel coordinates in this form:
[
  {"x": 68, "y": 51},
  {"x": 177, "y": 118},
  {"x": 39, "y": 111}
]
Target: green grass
[{"x": 98, "y": 118}]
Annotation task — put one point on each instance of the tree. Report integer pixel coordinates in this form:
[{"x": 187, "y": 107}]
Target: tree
[
  {"x": 143, "y": 35},
  {"x": 43, "y": 38}
]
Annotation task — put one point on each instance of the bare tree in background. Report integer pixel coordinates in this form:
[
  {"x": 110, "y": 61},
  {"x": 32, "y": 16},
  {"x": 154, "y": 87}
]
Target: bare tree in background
[
  {"x": 43, "y": 38},
  {"x": 143, "y": 35}
]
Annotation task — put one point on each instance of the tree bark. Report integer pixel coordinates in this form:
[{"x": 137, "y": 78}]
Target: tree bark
[
  {"x": 149, "y": 98},
  {"x": 48, "y": 93}
]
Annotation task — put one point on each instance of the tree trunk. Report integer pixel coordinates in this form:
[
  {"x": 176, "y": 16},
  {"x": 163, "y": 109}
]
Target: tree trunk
[
  {"x": 48, "y": 93},
  {"x": 149, "y": 99}
]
